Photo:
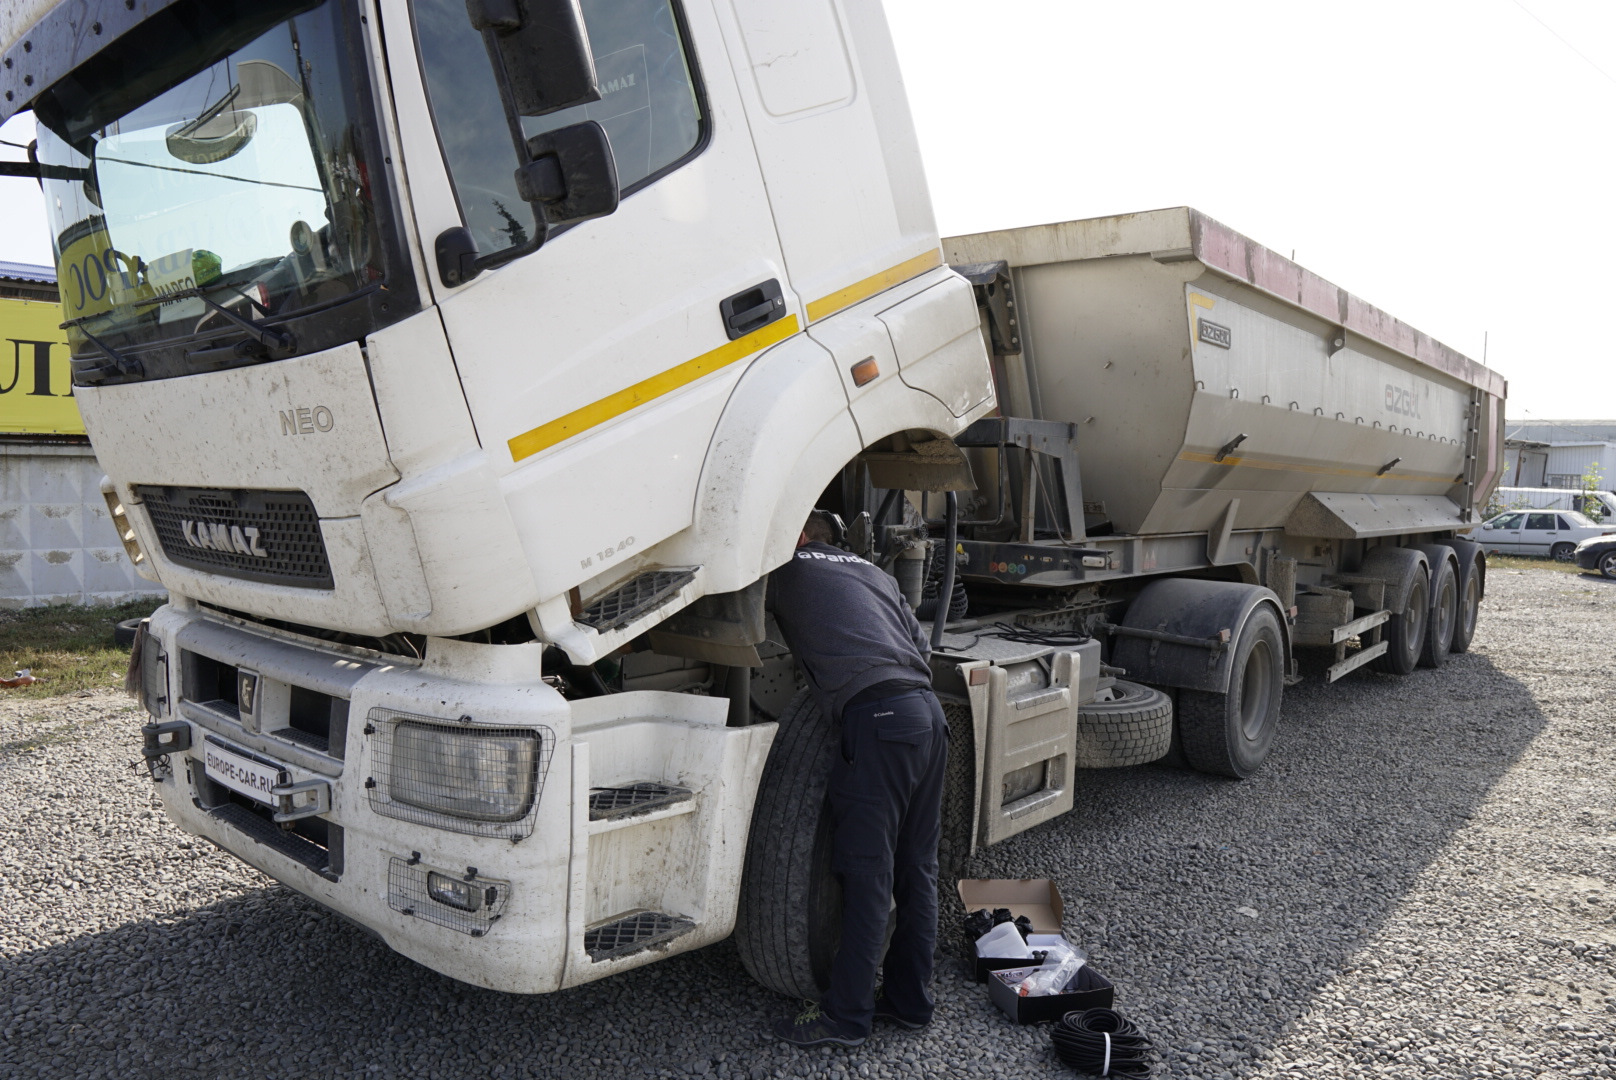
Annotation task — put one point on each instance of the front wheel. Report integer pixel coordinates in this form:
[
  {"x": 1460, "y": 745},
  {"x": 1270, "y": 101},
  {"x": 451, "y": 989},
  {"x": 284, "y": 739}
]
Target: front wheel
[
  {"x": 1230, "y": 734},
  {"x": 790, "y": 917},
  {"x": 1563, "y": 552}
]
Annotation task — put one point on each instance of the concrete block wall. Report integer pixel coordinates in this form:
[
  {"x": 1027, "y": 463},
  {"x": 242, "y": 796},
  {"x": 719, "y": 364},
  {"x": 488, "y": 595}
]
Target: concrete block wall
[{"x": 57, "y": 543}]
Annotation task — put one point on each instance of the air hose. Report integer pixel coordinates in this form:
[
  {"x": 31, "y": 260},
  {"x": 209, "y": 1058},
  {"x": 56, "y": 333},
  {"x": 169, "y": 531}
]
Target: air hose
[{"x": 1102, "y": 1042}]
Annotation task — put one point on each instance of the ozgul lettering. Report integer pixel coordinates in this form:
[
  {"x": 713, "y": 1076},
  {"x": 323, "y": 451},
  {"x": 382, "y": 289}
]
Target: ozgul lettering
[{"x": 1402, "y": 401}]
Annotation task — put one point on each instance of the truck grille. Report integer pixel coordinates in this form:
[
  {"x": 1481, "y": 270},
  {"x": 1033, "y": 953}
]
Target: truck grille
[{"x": 268, "y": 536}]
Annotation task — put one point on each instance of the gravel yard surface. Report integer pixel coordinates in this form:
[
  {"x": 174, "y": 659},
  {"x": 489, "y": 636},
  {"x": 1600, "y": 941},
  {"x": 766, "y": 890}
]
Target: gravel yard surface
[{"x": 1421, "y": 882}]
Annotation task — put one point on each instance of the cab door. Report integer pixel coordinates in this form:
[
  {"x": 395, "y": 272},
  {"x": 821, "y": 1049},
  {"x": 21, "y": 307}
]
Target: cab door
[{"x": 596, "y": 367}]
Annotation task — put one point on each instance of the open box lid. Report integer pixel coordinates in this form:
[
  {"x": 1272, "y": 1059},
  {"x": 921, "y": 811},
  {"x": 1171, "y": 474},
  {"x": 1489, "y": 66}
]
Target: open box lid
[{"x": 1036, "y": 898}]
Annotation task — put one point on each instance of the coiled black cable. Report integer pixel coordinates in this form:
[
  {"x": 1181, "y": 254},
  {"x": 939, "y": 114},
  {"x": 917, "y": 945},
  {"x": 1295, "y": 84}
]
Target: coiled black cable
[{"x": 1102, "y": 1042}]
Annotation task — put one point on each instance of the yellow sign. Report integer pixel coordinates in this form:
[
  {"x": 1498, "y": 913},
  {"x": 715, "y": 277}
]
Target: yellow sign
[{"x": 36, "y": 385}]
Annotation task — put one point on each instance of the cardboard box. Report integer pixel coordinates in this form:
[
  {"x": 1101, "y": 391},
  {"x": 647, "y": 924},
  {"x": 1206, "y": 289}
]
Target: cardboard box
[
  {"x": 1036, "y": 898},
  {"x": 1087, "y": 990}
]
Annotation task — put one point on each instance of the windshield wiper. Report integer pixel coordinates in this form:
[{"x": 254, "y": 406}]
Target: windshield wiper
[
  {"x": 275, "y": 339},
  {"x": 120, "y": 364}
]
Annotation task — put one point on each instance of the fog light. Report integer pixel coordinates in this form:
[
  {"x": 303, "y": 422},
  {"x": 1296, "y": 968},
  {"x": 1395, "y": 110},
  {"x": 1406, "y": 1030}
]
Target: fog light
[
  {"x": 485, "y": 776},
  {"x": 465, "y": 895}
]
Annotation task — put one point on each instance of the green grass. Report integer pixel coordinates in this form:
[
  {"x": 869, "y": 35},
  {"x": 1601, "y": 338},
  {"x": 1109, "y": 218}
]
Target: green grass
[
  {"x": 68, "y": 648},
  {"x": 1530, "y": 562}
]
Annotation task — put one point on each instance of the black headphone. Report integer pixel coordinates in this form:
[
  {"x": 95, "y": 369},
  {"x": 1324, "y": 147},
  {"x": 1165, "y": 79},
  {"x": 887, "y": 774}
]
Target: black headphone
[{"x": 838, "y": 531}]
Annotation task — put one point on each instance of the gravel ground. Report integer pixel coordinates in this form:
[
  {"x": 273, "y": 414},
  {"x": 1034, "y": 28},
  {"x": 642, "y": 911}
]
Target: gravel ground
[{"x": 1427, "y": 867}]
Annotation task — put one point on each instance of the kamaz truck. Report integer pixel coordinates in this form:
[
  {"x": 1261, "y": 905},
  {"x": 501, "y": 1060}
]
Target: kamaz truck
[{"x": 463, "y": 367}]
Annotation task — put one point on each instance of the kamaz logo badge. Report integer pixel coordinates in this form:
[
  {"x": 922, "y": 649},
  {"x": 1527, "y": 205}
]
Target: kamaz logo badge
[
  {"x": 215, "y": 536},
  {"x": 1214, "y": 334}
]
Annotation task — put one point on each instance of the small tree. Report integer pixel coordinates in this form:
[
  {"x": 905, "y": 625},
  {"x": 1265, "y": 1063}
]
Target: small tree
[{"x": 1591, "y": 504}]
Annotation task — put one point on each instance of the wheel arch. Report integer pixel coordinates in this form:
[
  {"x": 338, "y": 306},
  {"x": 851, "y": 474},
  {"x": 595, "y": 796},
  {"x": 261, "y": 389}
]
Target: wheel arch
[
  {"x": 1192, "y": 607},
  {"x": 784, "y": 435}
]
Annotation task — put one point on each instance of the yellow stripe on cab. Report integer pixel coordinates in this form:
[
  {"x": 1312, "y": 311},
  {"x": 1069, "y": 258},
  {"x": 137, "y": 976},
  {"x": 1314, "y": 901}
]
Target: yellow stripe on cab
[{"x": 612, "y": 406}]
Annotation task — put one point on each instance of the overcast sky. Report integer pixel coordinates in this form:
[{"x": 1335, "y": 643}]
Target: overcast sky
[{"x": 1451, "y": 162}]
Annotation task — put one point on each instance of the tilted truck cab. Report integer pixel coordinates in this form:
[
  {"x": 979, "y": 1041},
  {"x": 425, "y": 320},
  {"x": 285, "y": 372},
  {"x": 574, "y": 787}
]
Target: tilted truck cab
[
  {"x": 393, "y": 422},
  {"x": 462, "y": 367}
]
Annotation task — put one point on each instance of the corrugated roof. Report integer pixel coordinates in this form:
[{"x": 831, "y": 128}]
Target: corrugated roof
[{"x": 19, "y": 271}]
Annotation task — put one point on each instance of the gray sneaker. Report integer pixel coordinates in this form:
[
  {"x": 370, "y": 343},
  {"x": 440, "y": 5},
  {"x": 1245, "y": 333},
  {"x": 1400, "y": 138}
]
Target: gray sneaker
[{"x": 813, "y": 1028}]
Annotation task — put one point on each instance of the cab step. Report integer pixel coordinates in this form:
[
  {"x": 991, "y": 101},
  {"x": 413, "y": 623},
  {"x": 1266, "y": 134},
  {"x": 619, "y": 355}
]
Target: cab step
[
  {"x": 633, "y": 931},
  {"x": 640, "y": 797},
  {"x": 638, "y": 596}
]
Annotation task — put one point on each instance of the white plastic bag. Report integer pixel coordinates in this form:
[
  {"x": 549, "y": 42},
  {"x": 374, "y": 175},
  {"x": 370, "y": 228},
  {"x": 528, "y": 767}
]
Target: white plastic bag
[
  {"x": 1003, "y": 942},
  {"x": 1049, "y": 979}
]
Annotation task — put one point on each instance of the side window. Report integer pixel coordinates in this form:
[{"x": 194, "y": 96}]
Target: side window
[
  {"x": 1540, "y": 521},
  {"x": 649, "y": 107},
  {"x": 1564, "y": 524},
  {"x": 1509, "y": 521}
]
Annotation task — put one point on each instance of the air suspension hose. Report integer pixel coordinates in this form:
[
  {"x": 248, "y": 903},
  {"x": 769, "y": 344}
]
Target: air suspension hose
[{"x": 1102, "y": 1042}]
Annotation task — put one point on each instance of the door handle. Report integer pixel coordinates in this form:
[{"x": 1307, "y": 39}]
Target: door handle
[{"x": 752, "y": 309}]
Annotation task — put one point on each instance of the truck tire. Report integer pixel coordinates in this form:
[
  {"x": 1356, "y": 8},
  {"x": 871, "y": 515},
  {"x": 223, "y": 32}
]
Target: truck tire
[
  {"x": 789, "y": 920},
  {"x": 1133, "y": 725},
  {"x": 1439, "y": 628},
  {"x": 1472, "y": 584},
  {"x": 1230, "y": 734},
  {"x": 123, "y": 634},
  {"x": 1404, "y": 633}
]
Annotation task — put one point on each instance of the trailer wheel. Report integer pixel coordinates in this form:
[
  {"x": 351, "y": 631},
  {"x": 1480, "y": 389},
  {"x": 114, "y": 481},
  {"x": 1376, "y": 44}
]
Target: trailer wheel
[
  {"x": 789, "y": 920},
  {"x": 1440, "y": 628},
  {"x": 1133, "y": 725},
  {"x": 1405, "y": 633},
  {"x": 1472, "y": 583},
  {"x": 1230, "y": 734}
]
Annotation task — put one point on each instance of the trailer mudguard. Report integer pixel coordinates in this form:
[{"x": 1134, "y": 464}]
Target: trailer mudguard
[
  {"x": 1395, "y": 566},
  {"x": 1212, "y": 613}
]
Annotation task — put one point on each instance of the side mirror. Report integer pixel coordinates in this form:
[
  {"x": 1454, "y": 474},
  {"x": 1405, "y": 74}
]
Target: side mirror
[
  {"x": 543, "y": 47},
  {"x": 572, "y": 175}
]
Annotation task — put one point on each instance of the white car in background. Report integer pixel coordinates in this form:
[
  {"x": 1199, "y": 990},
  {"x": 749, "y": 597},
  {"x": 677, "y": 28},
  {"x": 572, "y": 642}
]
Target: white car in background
[{"x": 1538, "y": 532}]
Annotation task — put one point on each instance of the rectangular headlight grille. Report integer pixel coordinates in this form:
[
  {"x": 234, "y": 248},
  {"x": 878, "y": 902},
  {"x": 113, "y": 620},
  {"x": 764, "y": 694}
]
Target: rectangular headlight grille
[{"x": 461, "y": 776}]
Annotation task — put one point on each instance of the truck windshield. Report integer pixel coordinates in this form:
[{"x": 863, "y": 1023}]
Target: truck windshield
[{"x": 243, "y": 184}]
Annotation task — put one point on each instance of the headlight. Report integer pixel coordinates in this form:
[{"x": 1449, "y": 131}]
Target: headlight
[{"x": 478, "y": 775}]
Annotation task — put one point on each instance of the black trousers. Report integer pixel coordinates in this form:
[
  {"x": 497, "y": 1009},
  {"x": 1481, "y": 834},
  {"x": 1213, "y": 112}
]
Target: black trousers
[{"x": 886, "y": 795}]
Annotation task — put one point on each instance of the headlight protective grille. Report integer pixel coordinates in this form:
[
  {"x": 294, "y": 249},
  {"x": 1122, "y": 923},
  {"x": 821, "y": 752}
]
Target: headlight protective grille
[{"x": 457, "y": 775}]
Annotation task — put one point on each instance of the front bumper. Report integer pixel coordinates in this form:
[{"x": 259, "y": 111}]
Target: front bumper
[{"x": 553, "y": 890}]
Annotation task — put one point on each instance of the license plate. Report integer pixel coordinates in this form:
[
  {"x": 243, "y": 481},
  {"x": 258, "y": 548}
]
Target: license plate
[{"x": 252, "y": 778}]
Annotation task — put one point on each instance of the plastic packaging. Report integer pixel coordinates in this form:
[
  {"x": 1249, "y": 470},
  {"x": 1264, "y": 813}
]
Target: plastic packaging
[
  {"x": 1052, "y": 979},
  {"x": 1003, "y": 942}
]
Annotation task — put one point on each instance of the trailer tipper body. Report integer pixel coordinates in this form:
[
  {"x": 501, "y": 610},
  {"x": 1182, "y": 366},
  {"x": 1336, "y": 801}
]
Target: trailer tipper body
[{"x": 463, "y": 370}]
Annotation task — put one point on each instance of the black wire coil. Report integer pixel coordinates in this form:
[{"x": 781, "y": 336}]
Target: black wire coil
[{"x": 1102, "y": 1042}]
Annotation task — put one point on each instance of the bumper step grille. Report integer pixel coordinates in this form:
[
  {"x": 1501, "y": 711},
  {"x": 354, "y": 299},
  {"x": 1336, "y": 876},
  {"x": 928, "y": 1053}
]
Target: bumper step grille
[
  {"x": 608, "y": 803},
  {"x": 632, "y": 932},
  {"x": 640, "y": 595},
  {"x": 291, "y": 845}
]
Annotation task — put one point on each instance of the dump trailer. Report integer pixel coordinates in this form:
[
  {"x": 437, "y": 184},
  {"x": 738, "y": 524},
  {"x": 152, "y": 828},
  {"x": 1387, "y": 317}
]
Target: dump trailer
[{"x": 463, "y": 368}]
